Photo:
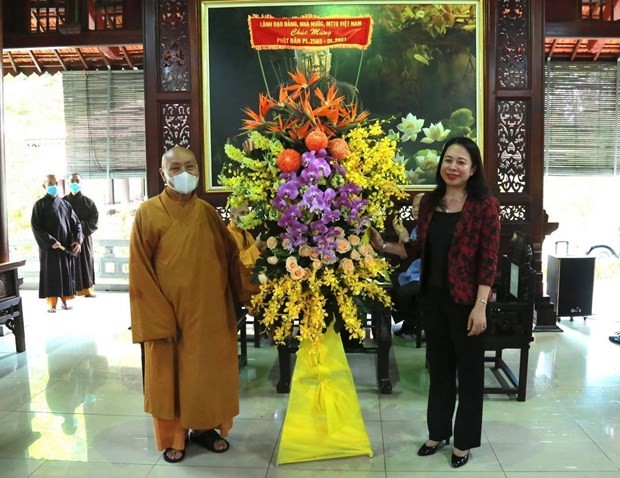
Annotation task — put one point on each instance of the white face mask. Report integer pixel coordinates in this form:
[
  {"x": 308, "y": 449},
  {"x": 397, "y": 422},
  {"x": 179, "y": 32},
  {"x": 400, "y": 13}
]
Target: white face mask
[{"x": 183, "y": 183}]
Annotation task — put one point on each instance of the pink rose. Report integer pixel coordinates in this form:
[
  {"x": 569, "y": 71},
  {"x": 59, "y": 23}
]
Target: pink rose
[
  {"x": 365, "y": 249},
  {"x": 297, "y": 273},
  {"x": 347, "y": 265},
  {"x": 291, "y": 263},
  {"x": 305, "y": 250},
  {"x": 354, "y": 240},
  {"x": 343, "y": 246},
  {"x": 272, "y": 242}
]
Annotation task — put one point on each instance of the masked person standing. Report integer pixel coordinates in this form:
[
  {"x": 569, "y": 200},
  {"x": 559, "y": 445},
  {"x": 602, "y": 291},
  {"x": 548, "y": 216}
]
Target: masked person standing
[
  {"x": 88, "y": 215},
  {"x": 58, "y": 233},
  {"x": 184, "y": 276}
]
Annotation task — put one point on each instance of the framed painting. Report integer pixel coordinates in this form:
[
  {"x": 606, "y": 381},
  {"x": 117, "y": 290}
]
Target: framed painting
[{"x": 418, "y": 65}]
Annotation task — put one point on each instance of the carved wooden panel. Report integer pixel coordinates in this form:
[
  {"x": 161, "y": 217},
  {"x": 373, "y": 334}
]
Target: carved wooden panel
[
  {"x": 514, "y": 213},
  {"x": 174, "y": 54},
  {"x": 512, "y": 44},
  {"x": 512, "y": 117},
  {"x": 175, "y": 125}
]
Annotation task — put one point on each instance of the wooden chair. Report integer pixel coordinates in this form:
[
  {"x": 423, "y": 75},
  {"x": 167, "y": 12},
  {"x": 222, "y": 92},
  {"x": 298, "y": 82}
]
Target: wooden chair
[
  {"x": 11, "y": 313},
  {"x": 510, "y": 318}
]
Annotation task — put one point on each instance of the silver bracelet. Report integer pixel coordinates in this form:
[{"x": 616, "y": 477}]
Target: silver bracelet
[
  {"x": 482, "y": 300},
  {"x": 384, "y": 246}
]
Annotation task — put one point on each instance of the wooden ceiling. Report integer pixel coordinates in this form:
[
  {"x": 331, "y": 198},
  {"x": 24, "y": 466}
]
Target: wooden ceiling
[
  {"x": 52, "y": 60},
  {"x": 582, "y": 30},
  {"x": 582, "y": 49},
  {"x": 44, "y": 36}
]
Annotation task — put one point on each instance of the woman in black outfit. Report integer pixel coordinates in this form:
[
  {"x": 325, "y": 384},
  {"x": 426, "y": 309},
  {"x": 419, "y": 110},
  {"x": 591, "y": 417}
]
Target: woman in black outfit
[{"x": 458, "y": 239}]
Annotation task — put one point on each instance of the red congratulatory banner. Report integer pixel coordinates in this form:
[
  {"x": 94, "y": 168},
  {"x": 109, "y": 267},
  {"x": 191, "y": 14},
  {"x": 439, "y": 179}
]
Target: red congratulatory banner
[{"x": 269, "y": 33}]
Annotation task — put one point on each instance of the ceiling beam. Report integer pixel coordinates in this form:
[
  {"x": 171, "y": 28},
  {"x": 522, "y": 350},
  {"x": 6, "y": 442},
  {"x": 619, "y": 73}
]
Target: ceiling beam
[
  {"x": 105, "y": 58},
  {"x": 82, "y": 59},
  {"x": 58, "y": 57},
  {"x": 592, "y": 29},
  {"x": 552, "y": 49},
  {"x": 12, "y": 62},
  {"x": 575, "y": 50},
  {"x": 129, "y": 62},
  {"x": 84, "y": 39},
  {"x": 36, "y": 63}
]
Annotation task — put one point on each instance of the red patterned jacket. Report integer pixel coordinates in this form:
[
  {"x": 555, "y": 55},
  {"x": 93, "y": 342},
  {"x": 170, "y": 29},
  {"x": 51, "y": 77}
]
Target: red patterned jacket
[{"x": 472, "y": 257}]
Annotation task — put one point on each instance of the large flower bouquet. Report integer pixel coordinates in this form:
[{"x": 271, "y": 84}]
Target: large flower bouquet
[{"x": 319, "y": 174}]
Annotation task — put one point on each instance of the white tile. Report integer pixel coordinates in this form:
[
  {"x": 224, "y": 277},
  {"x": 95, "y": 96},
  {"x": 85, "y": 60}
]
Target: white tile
[
  {"x": 73, "y": 469},
  {"x": 568, "y": 426},
  {"x": 18, "y": 467}
]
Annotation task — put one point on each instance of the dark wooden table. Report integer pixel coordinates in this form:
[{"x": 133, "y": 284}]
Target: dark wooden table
[{"x": 11, "y": 313}]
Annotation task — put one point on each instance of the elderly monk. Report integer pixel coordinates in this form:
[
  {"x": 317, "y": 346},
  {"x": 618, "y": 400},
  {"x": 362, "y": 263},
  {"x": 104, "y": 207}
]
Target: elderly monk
[
  {"x": 184, "y": 274},
  {"x": 58, "y": 233}
]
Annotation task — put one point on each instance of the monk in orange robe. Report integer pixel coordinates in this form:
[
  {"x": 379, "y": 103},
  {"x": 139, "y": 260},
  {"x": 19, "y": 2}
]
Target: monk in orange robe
[
  {"x": 249, "y": 248},
  {"x": 184, "y": 274}
]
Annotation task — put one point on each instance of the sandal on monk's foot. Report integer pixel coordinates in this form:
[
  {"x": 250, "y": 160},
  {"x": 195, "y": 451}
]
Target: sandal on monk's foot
[
  {"x": 207, "y": 440},
  {"x": 169, "y": 459}
]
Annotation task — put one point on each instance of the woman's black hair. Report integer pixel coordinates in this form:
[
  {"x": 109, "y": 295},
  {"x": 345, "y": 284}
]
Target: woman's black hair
[{"x": 476, "y": 184}]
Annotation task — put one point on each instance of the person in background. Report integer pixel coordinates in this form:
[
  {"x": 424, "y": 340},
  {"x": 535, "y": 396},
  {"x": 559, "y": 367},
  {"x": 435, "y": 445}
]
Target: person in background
[
  {"x": 458, "y": 240},
  {"x": 184, "y": 277},
  {"x": 58, "y": 233},
  {"x": 249, "y": 248},
  {"x": 88, "y": 215},
  {"x": 406, "y": 286}
]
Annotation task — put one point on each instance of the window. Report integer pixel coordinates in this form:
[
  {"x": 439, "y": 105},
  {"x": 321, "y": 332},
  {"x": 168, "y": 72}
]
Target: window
[
  {"x": 104, "y": 117},
  {"x": 581, "y": 119}
]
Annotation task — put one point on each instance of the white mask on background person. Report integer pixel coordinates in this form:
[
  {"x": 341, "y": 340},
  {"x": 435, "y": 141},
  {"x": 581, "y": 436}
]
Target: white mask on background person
[{"x": 183, "y": 183}]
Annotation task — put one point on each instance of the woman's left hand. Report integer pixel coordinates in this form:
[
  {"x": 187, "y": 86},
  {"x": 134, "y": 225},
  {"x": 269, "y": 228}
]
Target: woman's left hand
[{"x": 477, "y": 322}]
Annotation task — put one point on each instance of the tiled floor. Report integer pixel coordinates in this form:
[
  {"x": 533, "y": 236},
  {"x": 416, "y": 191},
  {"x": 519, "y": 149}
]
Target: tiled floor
[{"x": 88, "y": 420}]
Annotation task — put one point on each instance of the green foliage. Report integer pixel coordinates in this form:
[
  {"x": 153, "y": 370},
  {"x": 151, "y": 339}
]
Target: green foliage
[{"x": 34, "y": 122}]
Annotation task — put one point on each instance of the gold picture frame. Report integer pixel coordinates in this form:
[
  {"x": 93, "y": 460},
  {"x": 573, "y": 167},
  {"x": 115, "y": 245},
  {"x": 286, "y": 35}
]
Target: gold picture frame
[{"x": 425, "y": 62}]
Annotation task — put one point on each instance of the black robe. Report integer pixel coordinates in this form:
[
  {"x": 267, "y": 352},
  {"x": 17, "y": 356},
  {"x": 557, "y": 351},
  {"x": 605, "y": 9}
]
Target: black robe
[
  {"x": 88, "y": 215},
  {"x": 54, "y": 220}
]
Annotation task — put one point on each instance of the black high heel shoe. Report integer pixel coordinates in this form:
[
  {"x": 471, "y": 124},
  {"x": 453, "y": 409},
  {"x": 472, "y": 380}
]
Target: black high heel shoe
[
  {"x": 459, "y": 461},
  {"x": 426, "y": 450}
]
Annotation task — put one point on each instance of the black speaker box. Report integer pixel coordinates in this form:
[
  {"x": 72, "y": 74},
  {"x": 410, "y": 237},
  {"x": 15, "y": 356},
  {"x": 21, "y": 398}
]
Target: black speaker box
[{"x": 570, "y": 284}]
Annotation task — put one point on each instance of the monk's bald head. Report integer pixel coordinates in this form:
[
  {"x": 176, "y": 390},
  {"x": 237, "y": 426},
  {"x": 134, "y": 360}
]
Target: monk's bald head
[
  {"x": 177, "y": 155},
  {"x": 50, "y": 180}
]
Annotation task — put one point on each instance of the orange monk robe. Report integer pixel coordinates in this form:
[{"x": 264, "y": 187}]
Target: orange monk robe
[
  {"x": 184, "y": 273},
  {"x": 248, "y": 252}
]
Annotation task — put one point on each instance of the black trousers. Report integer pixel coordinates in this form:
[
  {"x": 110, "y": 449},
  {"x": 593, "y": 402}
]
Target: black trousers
[{"x": 450, "y": 353}]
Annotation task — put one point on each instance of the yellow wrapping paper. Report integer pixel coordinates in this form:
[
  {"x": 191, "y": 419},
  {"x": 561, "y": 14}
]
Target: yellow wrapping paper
[{"x": 323, "y": 419}]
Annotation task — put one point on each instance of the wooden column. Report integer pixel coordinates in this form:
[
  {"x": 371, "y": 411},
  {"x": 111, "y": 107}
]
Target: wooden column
[
  {"x": 514, "y": 117},
  {"x": 4, "y": 224},
  {"x": 171, "y": 98}
]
